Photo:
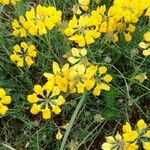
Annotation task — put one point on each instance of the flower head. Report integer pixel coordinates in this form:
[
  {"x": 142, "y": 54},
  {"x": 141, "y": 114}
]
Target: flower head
[
  {"x": 46, "y": 99},
  {"x": 37, "y": 21},
  {"x": 4, "y": 101},
  {"x": 23, "y": 53},
  {"x": 6, "y": 2}
]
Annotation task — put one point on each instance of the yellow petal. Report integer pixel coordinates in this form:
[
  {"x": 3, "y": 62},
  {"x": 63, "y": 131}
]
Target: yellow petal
[
  {"x": 141, "y": 77},
  {"x": 46, "y": 113},
  {"x": 59, "y": 135},
  {"x": 141, "y": 124},
  {"x": 2, "y": 93},
  {"x": 143, "y": 45},
  {"x": 146, "y": 52},
  {"x": 35, "y": 109},
  {"x": 6, "y": 100},
  {"x": 147, "y": 36},
  {"x": 102, "y": 70},
  {"x": 56, "y": 68},
  {"x": 126, "y": 128}
]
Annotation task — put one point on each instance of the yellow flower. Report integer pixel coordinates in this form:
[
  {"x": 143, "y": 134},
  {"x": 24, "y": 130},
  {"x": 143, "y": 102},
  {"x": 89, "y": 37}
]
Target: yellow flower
[
  {"x": 126, "y": 128},
  {"x": 146, "y": 145},
  {"x": 104, "y": 86},
  {"x": 97, "y": 90},
  {"x": 84, "y": 4},
  {"x": 46, "y": 99},
  {"x": 3, "y": 109},
  {"x": 76, "y": 55},
  {"x": 144, "y": 45},
  {"x": 107, "y": 78},
  {"x": 59, "y": 135},
  {"x": 112, "y": 142},
  {"x": 60, "y": 100},
  {"x": 147, "y": 134},
  {"x": 2, "y": 93},
  {"x": 146, "y": 52},
  {"x": 148, "y": 12},
  {"x": 147, "y": 36},
  {"x": 24, "y": 53},
  {"x": 131, "y": 147},
  {"x": 141, "y": 124},
  {"x": 130, "y": 136},
  {"x": 84, "y": 30},
  {"x": 37, "y": 21},
  {"x": 6, "y": 2},
  {"x": 102, "y": 70},
  {"x": 35, "y": 109},
  {"x": 32, "y": 98},
  {"x": 38, "y": 89},
  {"x": 131, "y": 28},
  {"x": 46, "y": 113},
  {"x": 141, "y": 77},
  {"x": 128, "y": 37},
  {"x": 4, "y": 100},
  {"x": 56, "y": 109}
]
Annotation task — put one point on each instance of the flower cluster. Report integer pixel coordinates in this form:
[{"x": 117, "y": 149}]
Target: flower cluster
[
  {"x": 4, "y": 101},
  {"x": 121, "y": 17},
  {"x": 76, "y": 55},
  {"x": 82, "y": 30},
  {"x": 25, "y": 53},
  {"x": 46, "y": 99},
  {"x": 130, "y": 139},
  {"x": 37, "y": 21},
  {"x": 124, "y": 14},
  {"x": 145, "y": 45},
  {"x": 78, "y": 78},
  {"x": 6, "y": 2},
  {"x": 82, "y": 5},
  {"x": 74, "y": 78}
]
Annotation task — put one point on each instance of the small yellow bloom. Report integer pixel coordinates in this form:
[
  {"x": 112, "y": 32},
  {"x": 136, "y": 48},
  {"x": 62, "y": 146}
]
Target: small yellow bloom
[
  {"x": 3, "y": 109},
  {"x": 6, "y": 100},
  {"x": 130, "y": 136},
  {"x": 35, "y": 109},
  {"x": 131, "y": 28},
  {"x": 46, "y": 113},
  {"x": 24, "y": 53},
  {"x": 38, "y": 89},
  {"x": 147, "y": 134},
  {"x": 141, "y": 77},
  {"x": 97, "y": 90},
  {"x": 144, "y": 45},
  {"x": 141, "y": 124},
  {"x": 59, "y": 135},
  {"x": 146, "y": 52},
  {"x": 147, "y": 36},
  {"x": 102, "y": 70},
  {"x": 56, "y": 109},
  {"x": 146, "y": 145},
  {"x": 60, "y": 100},
  {"x": 128, "y": 37},
  {"x": 37, "y": 21},
  {"x": 126, "y": 128},
  {"x": 104, "y": 86},
  {"x": 107, "y": 78},
  {"x": 2, "y": 93},
  {"x": 131, "y": 147},
  {"x": 32, "y": 98}
]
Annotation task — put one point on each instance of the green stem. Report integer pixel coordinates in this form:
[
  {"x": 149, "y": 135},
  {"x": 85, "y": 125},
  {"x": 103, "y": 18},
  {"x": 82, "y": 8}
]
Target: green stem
[{"x": 72, "y": 120}]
